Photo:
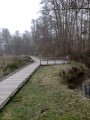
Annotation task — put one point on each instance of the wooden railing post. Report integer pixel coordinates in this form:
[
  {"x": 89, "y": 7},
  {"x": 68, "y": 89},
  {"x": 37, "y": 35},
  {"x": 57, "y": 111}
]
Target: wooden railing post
[
  {"x": 40, "y": 61},
  {"x": 47, "y": 61},
  {"x": 54, "y": 61},
  {"x": 64, "y": 61}
]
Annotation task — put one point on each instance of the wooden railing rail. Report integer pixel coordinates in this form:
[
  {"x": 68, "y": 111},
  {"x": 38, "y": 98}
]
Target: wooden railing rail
[{"x": 55, "y": 59}]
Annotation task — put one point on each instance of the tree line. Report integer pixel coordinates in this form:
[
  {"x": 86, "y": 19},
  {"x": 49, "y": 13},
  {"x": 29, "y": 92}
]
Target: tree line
[
  {"x": 62, "y": 28},
  {"x": 16, "y": 44}
]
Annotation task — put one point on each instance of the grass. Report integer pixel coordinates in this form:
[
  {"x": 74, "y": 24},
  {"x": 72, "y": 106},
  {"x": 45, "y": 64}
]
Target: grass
[
  {"x": 12, "y": 63},
  {"x": 45, "y": 98}
]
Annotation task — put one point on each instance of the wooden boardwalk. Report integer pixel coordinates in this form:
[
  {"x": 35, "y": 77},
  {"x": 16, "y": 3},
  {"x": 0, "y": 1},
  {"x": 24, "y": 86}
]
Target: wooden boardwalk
[{"x": 10, "y": 85}]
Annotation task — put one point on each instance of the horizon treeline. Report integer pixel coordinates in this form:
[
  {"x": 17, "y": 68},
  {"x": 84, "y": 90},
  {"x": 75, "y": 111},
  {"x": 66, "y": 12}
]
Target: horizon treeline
[
  {"x": 62, "y": 28},
  {"x": 16, "y": 44}
]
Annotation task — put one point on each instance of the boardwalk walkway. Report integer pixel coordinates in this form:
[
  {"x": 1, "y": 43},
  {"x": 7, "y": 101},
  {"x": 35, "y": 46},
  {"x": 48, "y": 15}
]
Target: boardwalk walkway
[{"x": 10, "y": 85}]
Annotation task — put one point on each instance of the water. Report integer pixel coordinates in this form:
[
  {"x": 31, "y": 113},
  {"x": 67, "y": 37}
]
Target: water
[
  {"x": 85, "y": 88},
  {"x": 82, "y": 85}
]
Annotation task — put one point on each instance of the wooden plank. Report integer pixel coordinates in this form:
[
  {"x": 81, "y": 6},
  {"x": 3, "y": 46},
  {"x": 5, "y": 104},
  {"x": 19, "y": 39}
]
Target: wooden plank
[{"x": 10, "y": 85}]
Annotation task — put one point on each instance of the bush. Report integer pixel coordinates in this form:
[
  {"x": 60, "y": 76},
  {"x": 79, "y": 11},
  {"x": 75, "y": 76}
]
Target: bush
[
  {"x": 71, "y": 74},
  {"x": 81, "y": 57},
  {"x": 13, "y": 63},
  {"x": 11, "y": 66}
]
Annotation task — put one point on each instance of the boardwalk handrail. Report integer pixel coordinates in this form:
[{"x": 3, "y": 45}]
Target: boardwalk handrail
[
  {"x": 63, "y": 59},
  {"x": 52, "y": 58}
]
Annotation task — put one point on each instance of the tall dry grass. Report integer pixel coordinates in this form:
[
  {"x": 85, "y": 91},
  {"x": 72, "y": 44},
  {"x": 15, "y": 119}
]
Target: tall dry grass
[{"x": 9, "y": 64}]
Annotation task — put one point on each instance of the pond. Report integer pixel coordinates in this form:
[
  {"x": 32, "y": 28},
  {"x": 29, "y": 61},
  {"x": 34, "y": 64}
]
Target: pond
[
  {"x": 85, "y": 88},
  {"x": 83, "y": 85}
]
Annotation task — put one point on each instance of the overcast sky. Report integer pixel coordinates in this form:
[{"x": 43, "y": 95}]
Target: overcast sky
[{"x": 17, "y": 14}]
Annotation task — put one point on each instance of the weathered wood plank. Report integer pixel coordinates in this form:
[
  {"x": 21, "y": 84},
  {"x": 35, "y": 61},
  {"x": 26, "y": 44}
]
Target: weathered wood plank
[{"x": 10, "y": 85}]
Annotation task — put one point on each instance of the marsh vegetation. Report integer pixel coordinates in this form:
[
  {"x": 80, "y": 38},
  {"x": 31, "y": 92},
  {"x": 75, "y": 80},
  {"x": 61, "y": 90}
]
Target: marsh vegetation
[{"x": 10, "y": 64}]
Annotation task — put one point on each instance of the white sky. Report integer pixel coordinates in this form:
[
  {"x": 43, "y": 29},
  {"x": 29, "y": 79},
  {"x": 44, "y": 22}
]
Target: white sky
[{"x": 17, "y": 14}]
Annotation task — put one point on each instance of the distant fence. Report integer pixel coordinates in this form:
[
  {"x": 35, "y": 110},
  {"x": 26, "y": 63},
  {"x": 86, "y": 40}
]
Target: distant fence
[{"x": 55, "y": 60}]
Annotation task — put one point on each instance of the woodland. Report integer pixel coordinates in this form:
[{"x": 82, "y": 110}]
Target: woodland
[{"x": 63, "y": 28}]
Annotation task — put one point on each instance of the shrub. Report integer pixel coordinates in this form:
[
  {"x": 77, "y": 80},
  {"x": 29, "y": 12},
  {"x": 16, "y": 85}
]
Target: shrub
[
  {"x": 70, "y": 75},
  {"x": 14, "y": 63},
  {"x": 81, "y": 57},
  {"x": 11, "y": 66}
]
